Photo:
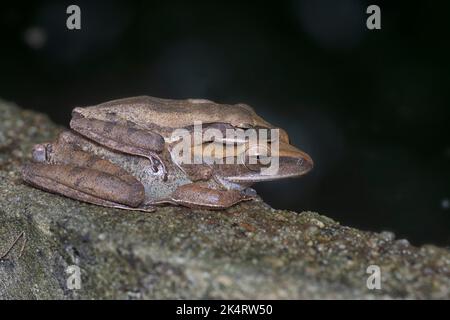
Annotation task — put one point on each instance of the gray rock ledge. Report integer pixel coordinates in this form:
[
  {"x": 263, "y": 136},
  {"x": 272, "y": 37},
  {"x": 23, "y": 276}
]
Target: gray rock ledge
[{"x": 250, "y": 251}]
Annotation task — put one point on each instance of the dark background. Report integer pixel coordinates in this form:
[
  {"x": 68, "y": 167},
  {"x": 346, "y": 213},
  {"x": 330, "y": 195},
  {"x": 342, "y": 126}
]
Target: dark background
[{"x": 370, "y": 107}]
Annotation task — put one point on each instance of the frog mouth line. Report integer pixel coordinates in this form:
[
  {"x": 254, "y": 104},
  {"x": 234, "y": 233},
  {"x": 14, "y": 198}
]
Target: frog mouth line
[{"x": 261, "y": 178}]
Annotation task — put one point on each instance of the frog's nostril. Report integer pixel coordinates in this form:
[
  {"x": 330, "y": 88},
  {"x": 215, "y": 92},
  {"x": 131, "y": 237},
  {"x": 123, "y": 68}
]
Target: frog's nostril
[
  {"x": 304, "y": 163},
  {"x": 307, "y": 163}
]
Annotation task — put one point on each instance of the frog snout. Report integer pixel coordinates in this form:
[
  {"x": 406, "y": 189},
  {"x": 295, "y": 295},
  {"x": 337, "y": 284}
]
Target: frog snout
[
  {"x": 305, "y": 162},
  {"x": 296, "y": 161}
]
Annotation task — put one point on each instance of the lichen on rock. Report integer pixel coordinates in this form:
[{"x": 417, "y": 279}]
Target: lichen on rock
[{"x": 248, "y": 251}]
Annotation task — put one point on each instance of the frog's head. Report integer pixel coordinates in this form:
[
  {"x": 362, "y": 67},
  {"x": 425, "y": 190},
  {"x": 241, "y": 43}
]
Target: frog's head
[
  {"x": 247, "y": 164},
  {"x": 288, "y": 162}
]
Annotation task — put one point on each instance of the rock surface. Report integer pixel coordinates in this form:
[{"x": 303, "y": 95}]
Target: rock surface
[{"x": 249, "y": 251}]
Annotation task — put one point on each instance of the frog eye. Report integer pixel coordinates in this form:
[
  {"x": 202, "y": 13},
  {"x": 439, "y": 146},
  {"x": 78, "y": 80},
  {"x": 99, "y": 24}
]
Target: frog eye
[{"x": 256, "y": 157}]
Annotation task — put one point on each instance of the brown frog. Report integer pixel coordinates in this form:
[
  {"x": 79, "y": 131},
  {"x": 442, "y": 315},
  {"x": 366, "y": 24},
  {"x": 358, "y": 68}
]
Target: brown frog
[{"x": 124, "y": 154}]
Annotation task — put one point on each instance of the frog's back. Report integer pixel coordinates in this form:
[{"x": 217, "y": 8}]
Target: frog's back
[{"x": 168, "y": 113}]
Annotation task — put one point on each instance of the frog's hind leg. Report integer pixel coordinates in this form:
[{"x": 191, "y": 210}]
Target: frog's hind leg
[
  {"x": 122, "y": 138},
  {"x": 88, "y": 178},
  {"x": 199, "y": 196}
]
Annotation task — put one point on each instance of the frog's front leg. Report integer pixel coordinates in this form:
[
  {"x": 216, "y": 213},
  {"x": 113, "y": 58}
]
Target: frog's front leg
[
  {"x": 84, "y": 177},
  {"x": 197, "y": 195},
  {"x": 121, "y": 138}
]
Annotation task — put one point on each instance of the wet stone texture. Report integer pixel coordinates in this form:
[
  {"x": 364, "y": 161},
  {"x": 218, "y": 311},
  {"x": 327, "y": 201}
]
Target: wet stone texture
[{"x": 249, "y": 251}]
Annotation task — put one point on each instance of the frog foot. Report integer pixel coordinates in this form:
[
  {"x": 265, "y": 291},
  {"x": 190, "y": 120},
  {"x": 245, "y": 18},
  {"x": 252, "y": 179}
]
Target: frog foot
[{"x": 199, "y": 196}]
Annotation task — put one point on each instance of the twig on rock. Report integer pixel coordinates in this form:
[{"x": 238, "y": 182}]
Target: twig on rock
[{"x": 3, "y": 257}]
